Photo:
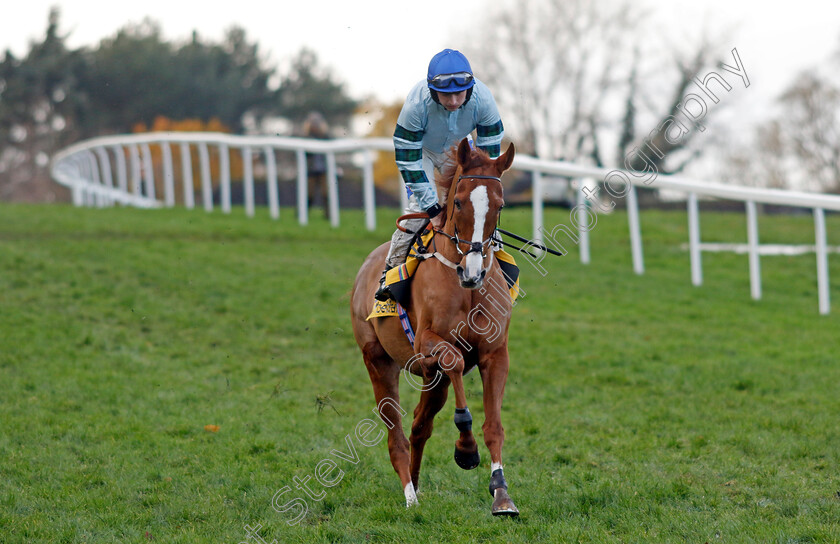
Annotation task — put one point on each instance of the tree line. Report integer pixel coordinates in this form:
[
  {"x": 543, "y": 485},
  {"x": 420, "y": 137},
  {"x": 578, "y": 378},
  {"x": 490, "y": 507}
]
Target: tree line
[{"x": 55, "y": 95}]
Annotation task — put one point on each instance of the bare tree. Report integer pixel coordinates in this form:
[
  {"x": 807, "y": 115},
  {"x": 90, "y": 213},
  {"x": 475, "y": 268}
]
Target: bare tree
[
  {"x": 812, "y": 130},
  {"x": 590, "y": 81},
  {"x": 799, "y": 147}
]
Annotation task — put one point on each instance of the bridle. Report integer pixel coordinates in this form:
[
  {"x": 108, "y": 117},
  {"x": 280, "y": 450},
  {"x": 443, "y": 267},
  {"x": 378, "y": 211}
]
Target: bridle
[{"x": 475, "y": 247}]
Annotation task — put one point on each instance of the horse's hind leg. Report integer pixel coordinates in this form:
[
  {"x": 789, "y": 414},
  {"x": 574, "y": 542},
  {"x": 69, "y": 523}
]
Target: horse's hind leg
[
  {"x": 384, "y": 375},
  {"x": 431, "y": 401}
]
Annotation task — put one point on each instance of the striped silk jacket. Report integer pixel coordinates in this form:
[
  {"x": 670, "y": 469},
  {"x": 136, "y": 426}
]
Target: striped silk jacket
[{"x": 425, "y": 124}]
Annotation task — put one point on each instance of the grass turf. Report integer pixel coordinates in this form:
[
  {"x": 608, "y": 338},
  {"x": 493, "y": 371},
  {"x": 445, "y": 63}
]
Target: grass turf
[{"x": 638, "y": 408}]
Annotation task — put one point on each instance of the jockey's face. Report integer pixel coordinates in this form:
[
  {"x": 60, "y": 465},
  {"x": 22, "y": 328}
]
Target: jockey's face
[{"x": 452, "y": 101}]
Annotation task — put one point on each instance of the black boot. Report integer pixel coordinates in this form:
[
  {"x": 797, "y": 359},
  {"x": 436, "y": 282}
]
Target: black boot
[{"x": 384, "y": 292}]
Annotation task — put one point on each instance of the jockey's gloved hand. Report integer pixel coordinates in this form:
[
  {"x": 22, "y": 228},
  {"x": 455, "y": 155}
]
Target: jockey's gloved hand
[
  {"x": 435, "y": 217},
  {"x": 434, "y": 210}
]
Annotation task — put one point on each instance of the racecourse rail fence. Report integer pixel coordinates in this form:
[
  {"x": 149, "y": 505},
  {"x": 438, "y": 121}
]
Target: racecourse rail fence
[{"x": 121, "y": 170}]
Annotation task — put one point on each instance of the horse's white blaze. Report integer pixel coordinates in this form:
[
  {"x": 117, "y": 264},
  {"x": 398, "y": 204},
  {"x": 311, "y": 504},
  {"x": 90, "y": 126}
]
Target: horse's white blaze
[
  {"x": 410, "y": 495},
  {"x": 481, "y": 205}
]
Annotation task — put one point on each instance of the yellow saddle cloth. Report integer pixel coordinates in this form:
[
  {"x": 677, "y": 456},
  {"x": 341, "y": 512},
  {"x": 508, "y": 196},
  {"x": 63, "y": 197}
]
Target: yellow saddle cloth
[
  {"x": 399, "y": 277},
  {"x": 383, "y": 309}
]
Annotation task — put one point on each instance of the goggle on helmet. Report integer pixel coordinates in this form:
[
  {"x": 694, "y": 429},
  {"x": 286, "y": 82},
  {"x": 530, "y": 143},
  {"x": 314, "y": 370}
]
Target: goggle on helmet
[{"x": 450, "y": 72}]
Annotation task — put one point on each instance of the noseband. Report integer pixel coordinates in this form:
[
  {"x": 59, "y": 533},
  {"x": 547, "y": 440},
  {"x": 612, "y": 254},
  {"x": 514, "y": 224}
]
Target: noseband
[{"x": 475, "y": 247}]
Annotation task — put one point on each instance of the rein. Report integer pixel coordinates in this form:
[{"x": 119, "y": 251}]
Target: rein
[{"x": 527, "y": 241}]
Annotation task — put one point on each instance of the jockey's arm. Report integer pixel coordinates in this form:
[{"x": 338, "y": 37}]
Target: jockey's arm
[
  {"x": 408, "y": 150},
  {"x": 489, "y": 129}
]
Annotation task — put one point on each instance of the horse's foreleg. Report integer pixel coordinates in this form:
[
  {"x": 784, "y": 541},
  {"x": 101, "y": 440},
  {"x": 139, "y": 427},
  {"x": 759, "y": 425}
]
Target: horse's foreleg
[
  {"x": 494, "y": 374},
  {"x": 384, "y": 375},
  {"x": 451, "y": 362},
  {"x": 431, "y": 401}
]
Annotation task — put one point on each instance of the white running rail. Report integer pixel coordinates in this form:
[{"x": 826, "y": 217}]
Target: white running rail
[
  {"x": 88, "y": 168},
  {"x": 119, "y": 169}
]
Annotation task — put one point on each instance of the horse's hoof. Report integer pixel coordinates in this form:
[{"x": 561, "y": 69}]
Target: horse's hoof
[
  {"x": 410, "y": 495},
  {"x": 467, "y": 460},
  {"x": 503, "y": 504}
]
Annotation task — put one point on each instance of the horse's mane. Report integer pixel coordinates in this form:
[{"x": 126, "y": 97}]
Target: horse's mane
[{"x": 445, "y": 178}]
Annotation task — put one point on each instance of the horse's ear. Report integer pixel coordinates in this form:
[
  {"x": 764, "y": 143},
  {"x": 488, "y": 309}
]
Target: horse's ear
[
  {"x": 464, "y": 152},
  {"x": 506, "y": 160}
]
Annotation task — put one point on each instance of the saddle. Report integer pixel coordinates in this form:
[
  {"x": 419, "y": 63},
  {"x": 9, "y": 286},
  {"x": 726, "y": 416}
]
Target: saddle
[{"x": 399, "y": 277}]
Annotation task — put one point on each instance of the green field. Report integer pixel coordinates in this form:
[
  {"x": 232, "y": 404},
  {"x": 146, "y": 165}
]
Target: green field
[{"x": 638, "y": 408}]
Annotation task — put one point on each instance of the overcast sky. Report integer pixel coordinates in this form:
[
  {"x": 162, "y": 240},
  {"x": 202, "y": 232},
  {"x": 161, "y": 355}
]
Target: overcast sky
[{"x": 382, "y": 47}]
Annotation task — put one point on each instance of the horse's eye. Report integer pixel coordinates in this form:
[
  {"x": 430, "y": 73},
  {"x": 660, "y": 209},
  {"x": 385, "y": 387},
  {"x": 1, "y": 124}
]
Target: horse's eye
[{"x": 457, "y": 204}]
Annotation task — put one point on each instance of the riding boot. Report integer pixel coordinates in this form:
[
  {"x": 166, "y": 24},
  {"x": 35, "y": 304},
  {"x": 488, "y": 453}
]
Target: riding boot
[
  {"x": 397, "y": 253},
  {"x": 384, "y": 292}
]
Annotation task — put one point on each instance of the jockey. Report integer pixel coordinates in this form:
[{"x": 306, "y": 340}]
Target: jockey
[{"x": 437, "y": 114}]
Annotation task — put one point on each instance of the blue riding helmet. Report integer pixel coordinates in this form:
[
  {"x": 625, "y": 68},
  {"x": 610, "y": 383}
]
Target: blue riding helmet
[{"x": 450, "y": 72}]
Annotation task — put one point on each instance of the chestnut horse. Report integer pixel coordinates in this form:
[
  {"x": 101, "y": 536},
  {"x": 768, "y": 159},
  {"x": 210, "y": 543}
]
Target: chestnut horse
[{"x": 460, "y": 309}]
